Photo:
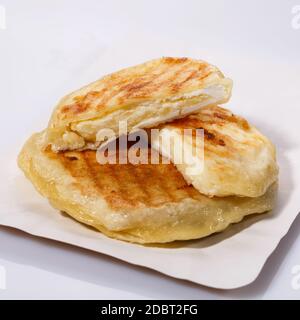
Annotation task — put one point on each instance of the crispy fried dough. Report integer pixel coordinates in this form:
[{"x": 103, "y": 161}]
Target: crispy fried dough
[
  {"x": 137, "y": 203},
  {"x": 238, "y": 159},
  {"x": 144, "y": 96}
]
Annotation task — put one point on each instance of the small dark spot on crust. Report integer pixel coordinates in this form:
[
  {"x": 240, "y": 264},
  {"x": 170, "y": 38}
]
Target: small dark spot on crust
[
  {"x": 73, "y": 158},
  {"x": 209, "y": 135},
  {"x": 245, "y": 124},
  {"x": 222, "y": 143}
]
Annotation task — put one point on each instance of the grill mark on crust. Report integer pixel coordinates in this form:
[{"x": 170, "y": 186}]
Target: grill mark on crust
[
  {"x": 157, "y": 195},
  {"x": 79, "y": 171},
  {"x": 138, "y": 83},
  {"x": 134, "y": 89},
  {"x": 75, "y": 108},
  {"x": 210, "y": 135},
  {"x": 108, "y": 182},
  {"x": 126, "y": 185},
  {"x": 213, "y": 120},
  {"x": 180, "y": 186},
  {"x": 243, "y": 123},
  {"x": 175, "y": 74},
  {"x": 147, "y": 197},
  {"x": 91, "y": 172},
  {"x": 160, "y": 193},
  {"x": 131, "y": 187},
  {"x": 127, "y": 86},
  {"x": 107, "y": 98},
  {"x": 82, "y": 103},
  {"x": 177, "y": 86},
  {"x": 163, "y": 184},
  {"x": 129, "y": 90},
  {"x": 118, "y": 196},
  {"x": 150, "y": 85},
  {"x": 201, "y": 73}
]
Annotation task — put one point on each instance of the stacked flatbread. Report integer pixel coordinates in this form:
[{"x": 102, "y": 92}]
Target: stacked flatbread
[{"x": 153, "y": 202}]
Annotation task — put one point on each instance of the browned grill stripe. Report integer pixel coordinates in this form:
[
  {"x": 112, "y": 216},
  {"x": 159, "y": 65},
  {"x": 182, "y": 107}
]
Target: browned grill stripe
[
  {"x": 128, "y": 185},
  {"x": 156, "y": 194},
  {"x": 139, "y": 86}
]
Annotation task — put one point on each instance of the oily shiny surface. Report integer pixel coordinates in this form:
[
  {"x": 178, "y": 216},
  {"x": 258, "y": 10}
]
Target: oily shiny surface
[{"x": 137, "y": 203}]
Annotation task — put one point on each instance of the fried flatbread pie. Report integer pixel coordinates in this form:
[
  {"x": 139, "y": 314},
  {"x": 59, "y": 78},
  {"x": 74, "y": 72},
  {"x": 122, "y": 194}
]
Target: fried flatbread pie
[
  {"x": 144, "y": 96},
  {"x": 234, "y": 158},
  {"x": 150, "y": 203}
]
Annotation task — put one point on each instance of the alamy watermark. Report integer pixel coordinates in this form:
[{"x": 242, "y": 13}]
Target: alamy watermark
[
  {"x": 295, "y": 23},
  {"x": 295, "y": 283},
  {"x": 181, "y": 146},
  {"x": 2, "y": 278},
  {"x": 2, "y": 18}
]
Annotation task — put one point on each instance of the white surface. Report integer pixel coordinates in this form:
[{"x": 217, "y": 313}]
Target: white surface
[{"x": 48, "y": 47}]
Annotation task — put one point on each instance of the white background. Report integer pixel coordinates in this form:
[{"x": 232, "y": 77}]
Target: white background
[{"x": 52, "y": 47}]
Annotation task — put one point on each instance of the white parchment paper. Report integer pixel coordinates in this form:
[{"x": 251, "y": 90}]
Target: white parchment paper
[{"x": 227, "y": 260}]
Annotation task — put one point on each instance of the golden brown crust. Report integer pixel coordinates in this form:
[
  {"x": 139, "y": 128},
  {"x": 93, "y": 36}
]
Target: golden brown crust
[
  {"x": 123, "y": 186},
  {"x": 216, "y": 123},
  {"x": 237, "y": 158},
  {"x": 207, "y": 119},
  {"x": 161, "y": 81},
  {"x": 143, "y": 204},
  {"x": 158, "y": 78}
]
